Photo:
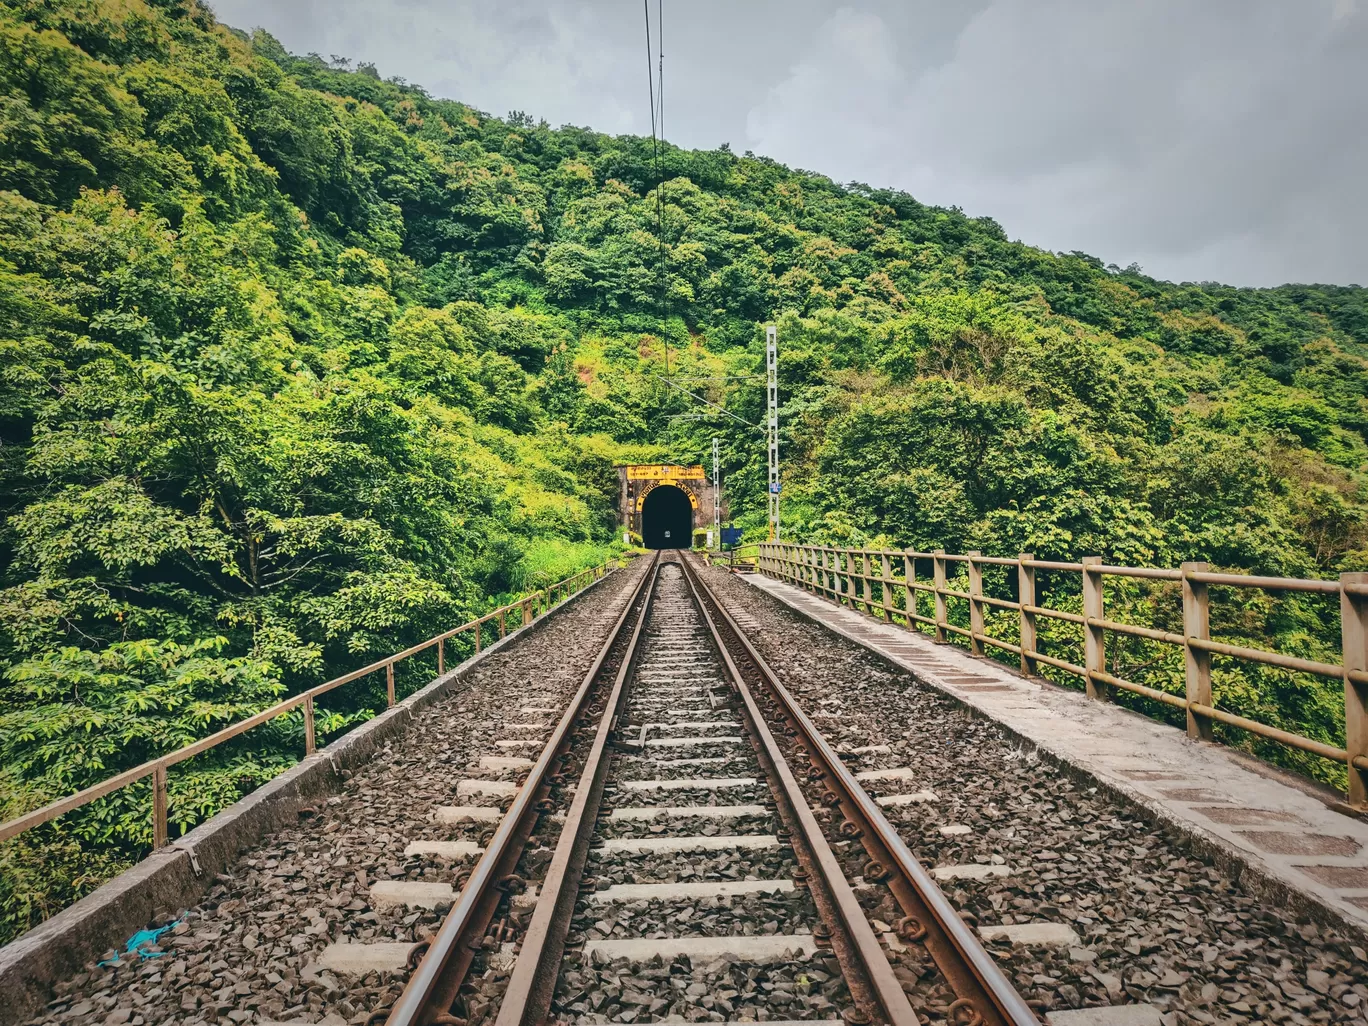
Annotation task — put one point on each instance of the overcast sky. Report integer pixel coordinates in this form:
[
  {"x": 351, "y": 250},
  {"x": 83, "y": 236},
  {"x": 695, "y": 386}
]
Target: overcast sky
[{"x": 1217, "y": 140}]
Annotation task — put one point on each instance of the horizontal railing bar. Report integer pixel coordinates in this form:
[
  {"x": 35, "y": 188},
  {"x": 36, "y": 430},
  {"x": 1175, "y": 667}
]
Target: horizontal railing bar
[
  {"x": 229, "y": 732},
  {"x": 1061, "y": 664},
  {"x": 64, "y": 805},
  {"x": 1285, "y": 662},
  {"x": 988, "y": 639},
  {"x": 1274, "y": 583},
  {"x": 1155, "y": 573},
  {"x": 995, "y": 560},
  {"x": 1137, "y": 632},
  {"x": 1055, "y": 614},
  {"x": 988, "y": 600},
  {"x": 1306, "y": 744},
  {"x": 1140, "y": 689},
  {"x": 1045, "y": 564}
]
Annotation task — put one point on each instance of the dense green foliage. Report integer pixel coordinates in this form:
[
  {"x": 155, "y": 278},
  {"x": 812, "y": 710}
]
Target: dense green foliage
[{"x": 298, "y": 366}]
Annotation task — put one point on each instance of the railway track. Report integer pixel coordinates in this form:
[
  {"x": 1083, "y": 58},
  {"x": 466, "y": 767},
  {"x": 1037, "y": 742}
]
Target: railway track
[{"x": 713, "y": 856}]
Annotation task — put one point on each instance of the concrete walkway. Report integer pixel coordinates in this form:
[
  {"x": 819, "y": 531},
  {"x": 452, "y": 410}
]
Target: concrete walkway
[{"x": 1285, "y": 839}]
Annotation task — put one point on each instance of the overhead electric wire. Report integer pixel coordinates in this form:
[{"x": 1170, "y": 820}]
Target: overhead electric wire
[
  {"x": 709, "y": 402},
  {"x": 657, "y": 97},
  {"x": 655, "y": 81},
  {"x": 660, "y": 187}
]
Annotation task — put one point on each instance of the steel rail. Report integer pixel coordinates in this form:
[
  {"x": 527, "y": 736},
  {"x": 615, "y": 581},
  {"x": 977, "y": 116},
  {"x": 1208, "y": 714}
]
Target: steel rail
[
  {"x": 434, "y": 985},
  {"x": 864, "y": 946},
  {"x": 979, "y": 984},
  {"x": 532, "y": 984}
]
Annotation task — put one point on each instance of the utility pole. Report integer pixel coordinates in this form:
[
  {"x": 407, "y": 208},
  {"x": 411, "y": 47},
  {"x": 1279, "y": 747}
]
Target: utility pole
[
  {"x": 717, "y": 498},
  {"x": 772, "y": 427}
]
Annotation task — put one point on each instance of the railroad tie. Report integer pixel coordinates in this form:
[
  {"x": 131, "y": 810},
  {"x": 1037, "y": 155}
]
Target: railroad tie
[
  {"x": 877, "y": 775},
  {"x": 444, "y": 849},
  {"x": 649, "y": 812},
  {"x": 722, "y": 842},
  {"x": 911, "y": 798},
  {"x": 472, "y": 787},
  {"x": 970, "y": 871},
  {"x": 410, "y": 894},
  {"x": 692, "y": 890},
  {"x": 498, "y": 763},
  {"x": 707, "y": 760},
  {"x": 462, "y": 813},
  {"x": 693, "y": 724},
  {"x": 688, "y": 742},
  {"x": 758, "y": 948},
  {"x": 685, "y": 783},
  {"x": 1115, "y": 1015},
  {"x": 1035, "y": 935}
]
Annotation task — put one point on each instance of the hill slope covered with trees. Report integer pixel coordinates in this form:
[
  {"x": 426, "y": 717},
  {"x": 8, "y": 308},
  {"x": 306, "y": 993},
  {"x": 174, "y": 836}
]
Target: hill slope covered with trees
[{"x": 298, "y": 366}]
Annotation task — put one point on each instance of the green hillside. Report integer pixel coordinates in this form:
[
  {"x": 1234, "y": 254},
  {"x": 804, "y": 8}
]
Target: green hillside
[{"x": 300, "y": 366}]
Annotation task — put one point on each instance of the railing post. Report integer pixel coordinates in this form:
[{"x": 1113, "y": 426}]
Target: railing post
[
  {"x": 1354, "y": 639},
  {"x": 308, "y": 725},
  {"x": 910, "y": 596},
  {"x": 866, "y": 572},
  {"x": 441, "y": 656},
  {"x": 389, "y": 684},
  {"x": 975, "y": 604},
  {"x": 160, "y": 833},
  {"x": 477, "y": 637},
  {"x": 938, "y": 572},
  {"x": 1196, "y": 661},
  {"x": 885, "y": 593},
  {"x": 527, "y": 611},
  {"x": 1094, "y": 637},
  {"x": 1026, "y": 592},
  {"x": 503, "y": 624}
]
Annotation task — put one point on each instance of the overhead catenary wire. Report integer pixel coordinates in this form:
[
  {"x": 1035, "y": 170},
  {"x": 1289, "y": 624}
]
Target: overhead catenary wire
[
  {"x": 655, "y": 82},
  {"x": 708, "y": 402},
  {"x": 660, "y": 187}
]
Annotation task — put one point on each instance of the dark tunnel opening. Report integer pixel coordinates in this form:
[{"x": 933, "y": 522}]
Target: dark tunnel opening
[{"x": 666, "y": 519}]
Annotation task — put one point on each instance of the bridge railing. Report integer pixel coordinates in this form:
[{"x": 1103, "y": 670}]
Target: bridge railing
[
  {"x": 884, "y": 583},
  {"x": 523, "y": 611}
]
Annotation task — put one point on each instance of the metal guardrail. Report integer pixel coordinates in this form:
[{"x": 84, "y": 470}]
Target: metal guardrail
[
  {"x": 528, "y": 608},
  {"x": 850, "y": 577}
]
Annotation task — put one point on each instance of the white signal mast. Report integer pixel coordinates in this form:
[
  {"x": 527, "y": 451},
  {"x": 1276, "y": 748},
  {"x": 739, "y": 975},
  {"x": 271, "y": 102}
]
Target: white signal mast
[{"x": 772, "y": 427}]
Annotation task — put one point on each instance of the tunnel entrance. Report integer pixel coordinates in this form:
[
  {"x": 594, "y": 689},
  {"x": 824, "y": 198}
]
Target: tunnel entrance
[{"x": 667, "y": 518}]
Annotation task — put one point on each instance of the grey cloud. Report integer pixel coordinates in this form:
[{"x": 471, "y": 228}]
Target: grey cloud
[{"x": 1220, "y": 140}]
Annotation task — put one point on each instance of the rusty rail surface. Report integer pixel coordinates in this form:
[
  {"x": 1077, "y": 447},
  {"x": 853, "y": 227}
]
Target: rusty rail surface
[
  {"x": 529, "y": 608},
  {"x": 984, "y": 995},
  {"x": 850, "y": 577},
  {"x": 436, "y": 982}
]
